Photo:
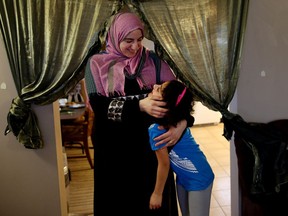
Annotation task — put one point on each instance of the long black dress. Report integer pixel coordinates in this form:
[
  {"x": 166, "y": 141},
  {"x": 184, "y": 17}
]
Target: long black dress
[{"x": 125, "y": 166}]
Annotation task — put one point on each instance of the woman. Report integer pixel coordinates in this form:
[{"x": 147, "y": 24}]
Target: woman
[
  {"x": 118, "y": 80},
  {"x": 194, "y": 175}
]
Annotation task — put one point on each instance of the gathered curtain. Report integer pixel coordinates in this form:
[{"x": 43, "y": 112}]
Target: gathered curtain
[
  {"x": 48, "y": 42},
  {"x": 202, "y": 42}
]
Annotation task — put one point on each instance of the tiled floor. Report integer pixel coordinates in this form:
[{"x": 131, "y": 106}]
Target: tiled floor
[{"x": 217, "y": 151}]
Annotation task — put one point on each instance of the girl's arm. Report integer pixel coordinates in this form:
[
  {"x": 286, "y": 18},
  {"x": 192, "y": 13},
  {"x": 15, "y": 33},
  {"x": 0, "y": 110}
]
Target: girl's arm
[{"x": 162, "y": 174}]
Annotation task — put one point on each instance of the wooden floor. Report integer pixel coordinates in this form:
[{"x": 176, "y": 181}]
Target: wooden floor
[{"x": 81, "y": 185}]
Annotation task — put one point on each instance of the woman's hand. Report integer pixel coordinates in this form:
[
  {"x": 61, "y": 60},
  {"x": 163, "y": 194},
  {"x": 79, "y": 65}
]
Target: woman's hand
[
  {"x": 172, "y": 136},
  {"x": 153, "y": 105}
]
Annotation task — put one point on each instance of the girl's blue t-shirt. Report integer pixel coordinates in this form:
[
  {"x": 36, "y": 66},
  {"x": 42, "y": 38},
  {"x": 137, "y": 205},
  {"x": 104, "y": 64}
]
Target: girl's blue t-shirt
[{"x": 193, "y": 171}]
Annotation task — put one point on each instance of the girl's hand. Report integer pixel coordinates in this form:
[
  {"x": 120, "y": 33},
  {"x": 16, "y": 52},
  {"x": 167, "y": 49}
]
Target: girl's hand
[
  {"x": 155, "y": 201},
  {"x": 153, "y": 105},
  {"x": 172, "y": 136}
]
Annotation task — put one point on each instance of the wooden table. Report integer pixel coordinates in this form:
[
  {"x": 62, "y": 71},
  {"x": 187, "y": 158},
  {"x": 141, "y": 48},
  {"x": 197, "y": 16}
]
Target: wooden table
[{"x": 70, "y": 113}]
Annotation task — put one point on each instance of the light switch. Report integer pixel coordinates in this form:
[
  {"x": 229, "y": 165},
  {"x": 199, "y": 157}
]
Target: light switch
[
  {"x": 3, "y": 85},
  {"x": 263, "y": 73}
]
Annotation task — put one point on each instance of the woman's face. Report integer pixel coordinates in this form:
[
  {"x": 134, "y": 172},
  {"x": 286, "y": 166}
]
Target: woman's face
[{"x": 131, "y": 43}]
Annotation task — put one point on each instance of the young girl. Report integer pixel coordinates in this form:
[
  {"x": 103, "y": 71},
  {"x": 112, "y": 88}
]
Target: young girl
[{"x": 194, "y": 176}]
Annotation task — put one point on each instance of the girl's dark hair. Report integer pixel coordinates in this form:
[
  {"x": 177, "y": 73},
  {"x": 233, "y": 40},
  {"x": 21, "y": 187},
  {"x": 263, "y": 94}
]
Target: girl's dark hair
[{"x": 183, "y": 109}]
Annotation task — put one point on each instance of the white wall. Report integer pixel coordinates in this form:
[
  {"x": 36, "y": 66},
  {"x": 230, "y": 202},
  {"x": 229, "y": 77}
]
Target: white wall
[
  {"x": 31, "y": 181},
  {"x": 204, "y": 115},
  {"x": 262, "y": 98}
]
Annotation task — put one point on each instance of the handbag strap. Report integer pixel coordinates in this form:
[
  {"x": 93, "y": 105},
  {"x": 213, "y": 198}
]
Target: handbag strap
[{"x": 157, "y": 63}]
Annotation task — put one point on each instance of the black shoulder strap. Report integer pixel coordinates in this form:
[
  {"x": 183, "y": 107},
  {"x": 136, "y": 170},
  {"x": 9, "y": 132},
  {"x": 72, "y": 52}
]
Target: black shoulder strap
[
  {"x": 157, "y": 63},
  {"x": 89, "y": 80}
]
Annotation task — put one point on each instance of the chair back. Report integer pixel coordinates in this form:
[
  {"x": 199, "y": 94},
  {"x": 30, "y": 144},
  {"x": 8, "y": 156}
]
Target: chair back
[{"x": 78, "y": 132}]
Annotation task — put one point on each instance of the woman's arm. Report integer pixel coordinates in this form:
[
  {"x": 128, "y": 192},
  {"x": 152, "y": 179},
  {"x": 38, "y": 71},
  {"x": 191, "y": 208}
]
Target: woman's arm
[
  {"x": 153, "y": 106},
  {"x": 172, "y": 136},
  {"x": 118, "y": 109},
  {"x": 162, "y": 174}
]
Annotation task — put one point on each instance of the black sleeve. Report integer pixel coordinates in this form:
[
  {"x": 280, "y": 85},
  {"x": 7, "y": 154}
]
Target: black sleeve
[
  {"x": 130, "y": 110},
  {"x": 118, "y": 108},
  {"x": 99, "y": 105}
]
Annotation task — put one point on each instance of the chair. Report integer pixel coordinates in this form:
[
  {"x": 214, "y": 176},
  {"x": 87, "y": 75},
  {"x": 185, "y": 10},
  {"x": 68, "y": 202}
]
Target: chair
[{"x": 78, "y": 131}]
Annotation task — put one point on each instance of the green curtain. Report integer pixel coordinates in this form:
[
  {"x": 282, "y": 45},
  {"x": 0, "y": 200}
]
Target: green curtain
[
  {"x": 202, "y": 41},
  {"x": 48, "y": 43}
]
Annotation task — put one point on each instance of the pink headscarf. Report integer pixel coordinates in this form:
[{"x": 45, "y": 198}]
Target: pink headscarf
[{"x": 108, "y": 68}]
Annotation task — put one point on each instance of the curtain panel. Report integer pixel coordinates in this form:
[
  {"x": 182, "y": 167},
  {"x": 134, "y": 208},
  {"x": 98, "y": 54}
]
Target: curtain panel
[
  {"x": 48, "y": 43},
  {"x": 202, "y": 41}
]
